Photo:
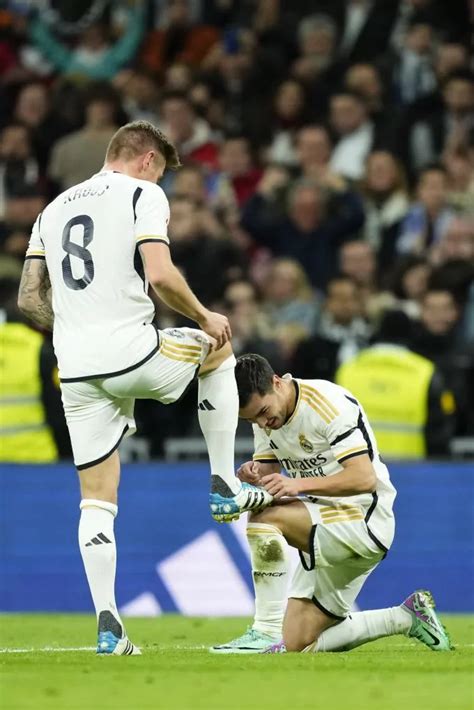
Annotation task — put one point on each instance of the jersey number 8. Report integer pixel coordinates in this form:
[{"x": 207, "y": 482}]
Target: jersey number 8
[{"x": 80, "y": 252}]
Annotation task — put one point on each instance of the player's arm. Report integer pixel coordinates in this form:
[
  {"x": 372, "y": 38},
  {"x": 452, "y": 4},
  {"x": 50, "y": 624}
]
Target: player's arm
[
  {"x": 34, "y": 296},
  {"x": 358, "y": 476},
  {"x": 171, "y": 287}
]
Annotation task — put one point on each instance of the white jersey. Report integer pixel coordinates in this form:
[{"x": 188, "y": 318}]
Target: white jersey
[
  {"x": 328, "y": 427},
  {"x": 89, "y": 236}
]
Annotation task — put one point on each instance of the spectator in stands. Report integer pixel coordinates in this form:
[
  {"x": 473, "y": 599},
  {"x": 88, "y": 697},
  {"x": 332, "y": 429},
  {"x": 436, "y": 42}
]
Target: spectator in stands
[
  {"x": 289, "y": 304},
  {"x": 407, "y": 285},
  {"x": 364, "y": 27},
  {"x": 207, "y": 259},
  {"x": 79, "y": 155},
  {"x": 191, "y": 135},
  {"x": 190, "y": 183},
  {"x": 33, "y": 109},
  {"x": 459, "y": 166},
  {"x": 366, "y": 80},
  {"x": 237, "y": 164},
  {"x": 410, "y": 408},
  {"x": 314, "y": 66},
  {"x": 313, "y": 152},
  {"x": 427, "y": 219},
  {"x": 304, "y": 231},
  {"x": 251, "y": 330},
  {"x": 358, "y": 261},
  {"x": 341, "y": 332},
  {"x": 178, "y": 40},
  {"x": 289, "y": 111},
  {"x": 354, "y": 131},
  {"x": 440, "y": 15},
  {"x": 95, "y": 56},
  {"x": 457, "y": 243},
  {"x": 22, "y": 196},
  {"x": 412, "y": 70},
  {"x": 140, "y": 96},
  {"x": 385, "y": 204},
  {"x": 447, "y": 127},
  {"x": 439, "y": 338}
]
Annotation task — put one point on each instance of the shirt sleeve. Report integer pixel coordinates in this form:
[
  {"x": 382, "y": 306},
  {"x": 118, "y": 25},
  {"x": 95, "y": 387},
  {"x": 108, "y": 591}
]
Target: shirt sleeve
[
  {"x": 339, "y": 420},
  {"x": 35, "y": 247},
  {"x": 152, "y": 214},
  {"x": 262, "y": 449},
  {"x": 347, "y": 434}
]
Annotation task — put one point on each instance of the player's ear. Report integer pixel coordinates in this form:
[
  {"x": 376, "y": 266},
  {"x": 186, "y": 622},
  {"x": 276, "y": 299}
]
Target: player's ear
[{"x": 148, "y": 159}]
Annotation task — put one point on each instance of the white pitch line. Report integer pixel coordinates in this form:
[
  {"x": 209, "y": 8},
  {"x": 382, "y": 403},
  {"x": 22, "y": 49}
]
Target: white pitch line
[
  {"x": 59, "y": 649},
  {"x": 169, "y": 647}
]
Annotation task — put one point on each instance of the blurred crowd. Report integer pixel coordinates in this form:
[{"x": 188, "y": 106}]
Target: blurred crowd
[{"x": 326, "y": 203}]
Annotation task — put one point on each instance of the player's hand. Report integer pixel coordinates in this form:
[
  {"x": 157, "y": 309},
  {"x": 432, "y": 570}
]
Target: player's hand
[
  {"x": 217, "y": 326},
  {"x": 280, "y": 486},
  {"x": 249, "y": 472}
]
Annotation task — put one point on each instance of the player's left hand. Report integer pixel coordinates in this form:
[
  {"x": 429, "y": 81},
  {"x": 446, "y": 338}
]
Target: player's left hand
[{"x": 280, "y": 486}]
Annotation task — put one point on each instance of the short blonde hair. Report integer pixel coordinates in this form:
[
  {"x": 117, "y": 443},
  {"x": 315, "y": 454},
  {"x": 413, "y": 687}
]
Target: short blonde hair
[{"x": 134, "y": 139}]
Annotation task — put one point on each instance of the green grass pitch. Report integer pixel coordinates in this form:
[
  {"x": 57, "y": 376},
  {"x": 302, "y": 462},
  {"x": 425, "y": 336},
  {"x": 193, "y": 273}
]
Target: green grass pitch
[{"x": 176, "y": 671}]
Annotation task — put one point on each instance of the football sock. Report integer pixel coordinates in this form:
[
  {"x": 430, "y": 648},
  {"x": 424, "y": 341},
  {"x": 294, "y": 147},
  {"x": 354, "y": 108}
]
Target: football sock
[
  {"x": 270, "y": 566},
  {"x": 218, "y": 412},
  {"x": 363, "y": 626},
  {"x": 99, "y": 555}
]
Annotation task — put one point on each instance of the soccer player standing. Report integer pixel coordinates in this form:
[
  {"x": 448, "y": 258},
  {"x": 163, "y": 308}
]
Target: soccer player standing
[
  {"x": 93, "y": 251},
  {"x": 342, "y": 524}
]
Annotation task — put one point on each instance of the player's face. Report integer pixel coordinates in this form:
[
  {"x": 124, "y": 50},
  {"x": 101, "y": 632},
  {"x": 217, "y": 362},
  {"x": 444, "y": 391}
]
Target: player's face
[{"x": 269, "y": 411}]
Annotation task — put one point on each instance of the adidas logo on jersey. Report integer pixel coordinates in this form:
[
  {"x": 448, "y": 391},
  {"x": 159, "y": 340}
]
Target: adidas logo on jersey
[
  {"x": 99, "y": 539},
  {"x": 205, "y": 404}
]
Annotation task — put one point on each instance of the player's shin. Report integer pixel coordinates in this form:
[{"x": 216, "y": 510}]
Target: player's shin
[
  {"x": 99, "y": 555},
  {"x": 362, "y": 627},
  {"x": 218, "y": 410},
  {"x": 270, "y": 566}
]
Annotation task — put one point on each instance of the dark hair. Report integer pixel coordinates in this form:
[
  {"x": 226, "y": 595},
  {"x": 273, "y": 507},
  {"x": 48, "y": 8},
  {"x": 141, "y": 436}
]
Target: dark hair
[
  {"x": 253, "y": 374},
  {"x": 462, "y": 74},
  {"x": 395, "y": 327},
  {"x": 137, "y": 138},
  {"x": 402, "y": 266}
]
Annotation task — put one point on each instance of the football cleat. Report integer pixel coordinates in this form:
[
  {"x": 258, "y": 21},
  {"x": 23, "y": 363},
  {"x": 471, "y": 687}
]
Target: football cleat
[
  {"x": 225, "y": 509},
  {"x": 426, "y": 625},
  {"x": 109, "y": 645},
  {"x": 275, "y": 648},
  {"x": 252, "y": 641}
]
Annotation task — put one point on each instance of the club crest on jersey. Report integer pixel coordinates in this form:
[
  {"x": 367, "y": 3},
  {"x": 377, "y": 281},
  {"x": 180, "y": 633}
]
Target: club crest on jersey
[{"x": 305, "y": 444}]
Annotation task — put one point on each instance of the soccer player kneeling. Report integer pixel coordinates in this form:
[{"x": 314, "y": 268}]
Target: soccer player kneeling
[{"x": 342, "y": 523}]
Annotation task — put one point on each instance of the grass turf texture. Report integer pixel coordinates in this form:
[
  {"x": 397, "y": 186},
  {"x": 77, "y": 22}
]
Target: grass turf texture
[{"x": 176, "y": 671}]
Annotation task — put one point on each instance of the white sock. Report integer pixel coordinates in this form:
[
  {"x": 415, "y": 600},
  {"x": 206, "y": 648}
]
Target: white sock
[
  {"x": 218, "y": 412},
  {"x": 99, "y": 554},
  {"x": 270, "y": 567},
  {"x": 363, "y": 626}
]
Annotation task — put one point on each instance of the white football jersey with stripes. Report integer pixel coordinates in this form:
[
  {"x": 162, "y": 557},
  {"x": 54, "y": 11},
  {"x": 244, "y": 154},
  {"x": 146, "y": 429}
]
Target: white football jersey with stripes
[
  {"x": 328, "y": 427},
  {"x": 89, "y": 236}
]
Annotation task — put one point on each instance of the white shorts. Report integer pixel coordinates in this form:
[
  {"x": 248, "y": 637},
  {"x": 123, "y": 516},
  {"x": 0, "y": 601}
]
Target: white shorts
[
  {"x": 99, "y": 412},
  {"x": 342, "y": 555}
]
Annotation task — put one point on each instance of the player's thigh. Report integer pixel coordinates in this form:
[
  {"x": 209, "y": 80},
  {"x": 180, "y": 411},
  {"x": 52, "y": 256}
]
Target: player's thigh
[
  {"x": 96, "y": 421},
  {"x": 169, "y": 372},
  {"x": 292, "y": 518},
  {"x": 303, "y": 624},
  {"x": 341, "y": 556}
]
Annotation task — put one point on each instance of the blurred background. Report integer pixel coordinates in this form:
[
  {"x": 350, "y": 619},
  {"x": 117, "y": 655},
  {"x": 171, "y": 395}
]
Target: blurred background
[{"x": 326, "y": 205}]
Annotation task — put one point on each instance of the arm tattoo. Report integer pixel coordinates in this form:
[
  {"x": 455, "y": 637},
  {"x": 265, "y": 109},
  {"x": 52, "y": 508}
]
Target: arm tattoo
[{"x": 34, "y": 297}]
